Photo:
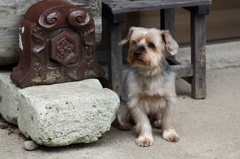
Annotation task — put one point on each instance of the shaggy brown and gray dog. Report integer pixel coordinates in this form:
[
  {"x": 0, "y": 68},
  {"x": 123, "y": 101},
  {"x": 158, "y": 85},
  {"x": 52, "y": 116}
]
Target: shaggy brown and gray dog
[{"x": 149, "y": 86}]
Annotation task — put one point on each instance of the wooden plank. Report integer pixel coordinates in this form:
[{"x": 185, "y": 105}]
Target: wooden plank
[
  {"x": 183, "y": 70},
  {"x": 172, "y": 61},
  {"x": 114, "y": 57},
  {"x": 141, "y": 5},
  {"x": 199, "y": 10},
  {"x": 12, "y": 12},
  {"x": 113, "y": 18},
  {"x": 168, "y": 23},
  {"x": 167, "y": 20},
  {"x": 198, "y": 52}
]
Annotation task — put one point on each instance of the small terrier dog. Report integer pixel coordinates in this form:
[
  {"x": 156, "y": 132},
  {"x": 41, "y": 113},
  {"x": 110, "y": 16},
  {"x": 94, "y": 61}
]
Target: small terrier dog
[{"x": 149, "y": 86}]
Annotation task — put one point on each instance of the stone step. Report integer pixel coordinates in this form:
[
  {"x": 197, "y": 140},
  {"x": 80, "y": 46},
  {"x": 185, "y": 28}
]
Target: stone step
[{"x": 59, "y": 114}]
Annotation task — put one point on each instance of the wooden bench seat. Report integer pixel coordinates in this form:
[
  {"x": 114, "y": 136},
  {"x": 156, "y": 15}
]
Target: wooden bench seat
[
  {"x": 124, "y": 6},
  {"x": 194, "y": 73}
]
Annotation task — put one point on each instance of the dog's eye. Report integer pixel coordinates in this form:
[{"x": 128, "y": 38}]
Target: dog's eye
[
  {"x": 135, "y": 42},
  {"x": 151, "y": 45}
]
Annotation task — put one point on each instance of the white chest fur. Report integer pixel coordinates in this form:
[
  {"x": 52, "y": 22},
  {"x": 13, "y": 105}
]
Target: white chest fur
[{"x": 150, "y": 92}]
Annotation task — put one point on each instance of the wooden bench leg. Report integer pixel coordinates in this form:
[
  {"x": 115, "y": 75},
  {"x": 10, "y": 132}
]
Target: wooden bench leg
[
  {"x": 167, "y": 20},
  {"x": 198, "y": 52},
  {"x": 114, "y": 57},
  {"x": 168, "y": 23}
]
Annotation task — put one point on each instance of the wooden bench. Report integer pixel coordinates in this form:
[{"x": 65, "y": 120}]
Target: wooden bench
[{"x": 194, "y": 73}]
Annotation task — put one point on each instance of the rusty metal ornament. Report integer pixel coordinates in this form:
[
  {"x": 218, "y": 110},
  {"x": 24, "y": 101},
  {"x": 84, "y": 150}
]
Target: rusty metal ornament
[{"x": 57, "y": 40}]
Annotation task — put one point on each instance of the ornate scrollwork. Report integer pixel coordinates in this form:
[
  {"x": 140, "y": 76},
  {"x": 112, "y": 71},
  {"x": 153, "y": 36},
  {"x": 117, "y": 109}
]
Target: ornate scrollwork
[
  {"x": 78, "y": 18},
  {"x": 51, "y": 19},
  {"x": 88, "y": 34},
  {"x": 37, "y": 40}
]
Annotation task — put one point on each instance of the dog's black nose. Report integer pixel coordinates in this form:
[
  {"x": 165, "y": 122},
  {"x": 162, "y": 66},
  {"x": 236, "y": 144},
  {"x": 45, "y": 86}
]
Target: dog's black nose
[{"x": 137, "y": 53}]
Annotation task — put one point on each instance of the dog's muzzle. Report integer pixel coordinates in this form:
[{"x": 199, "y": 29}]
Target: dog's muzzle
[{"x": 137, "y": 53}]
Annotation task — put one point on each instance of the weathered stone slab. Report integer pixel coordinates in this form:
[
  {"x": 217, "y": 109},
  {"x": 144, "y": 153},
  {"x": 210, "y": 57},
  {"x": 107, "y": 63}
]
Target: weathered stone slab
[
  {"x": 9, "y": 95},
  {"x": 59, "y": 114},
  {"x": 12, "y": 12}
]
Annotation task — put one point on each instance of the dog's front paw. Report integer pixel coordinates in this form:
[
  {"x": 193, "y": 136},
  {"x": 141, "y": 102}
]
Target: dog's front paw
[
  {"x": 170, "y": 135},
  {"x": 144, "y": 141}
]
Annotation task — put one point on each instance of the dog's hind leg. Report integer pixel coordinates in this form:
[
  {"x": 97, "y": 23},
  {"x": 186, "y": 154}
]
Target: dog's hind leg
[
  {"x": 156, "y": 120},
  {"x": 122, "y": 121}
]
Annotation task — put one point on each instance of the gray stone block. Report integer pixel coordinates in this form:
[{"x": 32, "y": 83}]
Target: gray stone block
[
  {"x": 9, "y": 98},
  {"x": 59, "y": 114}
]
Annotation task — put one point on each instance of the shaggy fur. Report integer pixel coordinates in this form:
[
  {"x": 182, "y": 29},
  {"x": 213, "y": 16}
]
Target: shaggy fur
[{"x": 149, "y": 87}]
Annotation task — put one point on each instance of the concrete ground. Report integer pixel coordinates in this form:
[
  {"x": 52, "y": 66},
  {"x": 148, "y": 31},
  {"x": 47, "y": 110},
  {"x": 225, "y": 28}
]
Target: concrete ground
[{"x": 208, "y": 129}]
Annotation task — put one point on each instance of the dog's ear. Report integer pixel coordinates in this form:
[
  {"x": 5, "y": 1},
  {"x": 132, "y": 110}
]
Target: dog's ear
[
  {"x": 170, "y": 44},
  {"x": 127, "y": 38}
]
